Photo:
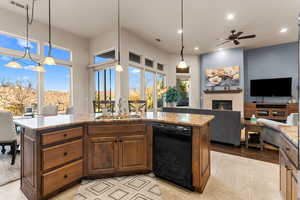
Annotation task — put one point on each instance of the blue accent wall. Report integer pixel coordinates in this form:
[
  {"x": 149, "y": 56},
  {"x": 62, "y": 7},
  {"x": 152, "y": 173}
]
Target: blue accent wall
[
  {"x": 271, "y": 62},
  {"x": 226, "y": 58}
]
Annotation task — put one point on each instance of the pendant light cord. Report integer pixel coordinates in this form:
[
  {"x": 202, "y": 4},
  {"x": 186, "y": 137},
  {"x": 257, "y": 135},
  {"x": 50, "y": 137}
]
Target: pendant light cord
[
  {"x": 50, "y": 30},
  {"x": 182, "y": 47},
  {"x": 119, "y": 57}
]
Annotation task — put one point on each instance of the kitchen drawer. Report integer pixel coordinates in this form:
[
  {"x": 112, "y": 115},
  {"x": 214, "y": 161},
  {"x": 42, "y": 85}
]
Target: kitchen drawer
[
  {"x": 62, "y": 176},
  {"x": 290, "y": 150},
  {"x": 61, "y": 135},
  {"x": 116, "y": 129},
  {"x": 61, "y": 154}
]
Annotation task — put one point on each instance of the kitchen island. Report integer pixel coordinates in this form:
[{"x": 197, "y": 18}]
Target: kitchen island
[{"x": 57, "y": 152}]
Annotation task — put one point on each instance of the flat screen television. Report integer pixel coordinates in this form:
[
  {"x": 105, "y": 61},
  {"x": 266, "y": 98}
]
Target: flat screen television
[{"x": 276, "y": 87}]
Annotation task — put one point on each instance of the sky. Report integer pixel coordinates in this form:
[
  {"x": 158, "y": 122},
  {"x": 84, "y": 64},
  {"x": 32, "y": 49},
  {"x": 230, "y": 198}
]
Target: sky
[{"x": 56, "y": 77}]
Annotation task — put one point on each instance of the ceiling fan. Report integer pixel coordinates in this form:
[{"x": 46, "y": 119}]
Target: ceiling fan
[{"x": 235, "y": 36}]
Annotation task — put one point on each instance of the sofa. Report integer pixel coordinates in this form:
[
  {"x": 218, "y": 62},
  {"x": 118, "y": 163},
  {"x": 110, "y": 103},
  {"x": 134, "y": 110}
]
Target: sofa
[
  {"x": 271, "y": 132},
  {"x": 225, "y": 128}
]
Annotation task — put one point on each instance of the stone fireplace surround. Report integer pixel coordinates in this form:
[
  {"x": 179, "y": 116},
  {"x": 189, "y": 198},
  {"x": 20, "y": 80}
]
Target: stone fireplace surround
[{"x": 236, "y": 98}]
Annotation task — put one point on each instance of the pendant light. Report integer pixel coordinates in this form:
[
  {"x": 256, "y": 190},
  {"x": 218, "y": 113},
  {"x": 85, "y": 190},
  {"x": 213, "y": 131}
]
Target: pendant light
[
  {"x": 49, "y": 60},
  {"x": 27, "y": 55},
  {"x": 182, "y": 63},
  {"x": 119, "y": 68}
]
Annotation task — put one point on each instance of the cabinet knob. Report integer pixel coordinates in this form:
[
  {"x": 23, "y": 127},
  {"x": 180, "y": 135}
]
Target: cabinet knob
[
  {"x": 120, "y": 140},
  {"x": 65, "y": 135},
  {"x": 66, "y": 176},
  {"x": 66, "y": 153}
]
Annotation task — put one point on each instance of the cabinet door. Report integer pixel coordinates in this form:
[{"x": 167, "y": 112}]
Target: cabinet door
[
  {"x": 102, "y": 155},
  {"x": 294, "y": 187},
  {"x": 283, "y": 177},
  {"x": 132, "y": 153}
]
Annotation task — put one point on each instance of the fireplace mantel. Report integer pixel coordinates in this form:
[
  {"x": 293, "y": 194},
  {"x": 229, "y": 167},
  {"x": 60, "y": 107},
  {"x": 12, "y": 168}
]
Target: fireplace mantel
[{"x": 222, "y": 91}]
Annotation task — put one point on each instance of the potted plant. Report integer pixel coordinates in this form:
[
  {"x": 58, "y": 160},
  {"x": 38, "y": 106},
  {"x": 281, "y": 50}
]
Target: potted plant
[{"x": 171, "y": 96}]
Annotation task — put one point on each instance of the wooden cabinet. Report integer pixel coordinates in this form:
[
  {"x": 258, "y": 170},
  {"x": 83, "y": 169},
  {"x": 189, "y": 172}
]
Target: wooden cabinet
[
  {"x": 102, "y": 155},
  {"x": 273, "y": 111},
  {"x": 288, "y": 170},
  {"x": 132, "y": 152},
  {"x": 110, "y": 151}
]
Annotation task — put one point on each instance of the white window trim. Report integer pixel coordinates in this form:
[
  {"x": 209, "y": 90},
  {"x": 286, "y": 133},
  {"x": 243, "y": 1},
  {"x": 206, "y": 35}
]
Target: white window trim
[
  {"x": 65, "y": 62},
  {"x": 24, "y": 38}
]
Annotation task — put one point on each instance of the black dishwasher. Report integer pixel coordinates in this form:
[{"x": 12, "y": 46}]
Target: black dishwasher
[{"x": 172, "y": 153}]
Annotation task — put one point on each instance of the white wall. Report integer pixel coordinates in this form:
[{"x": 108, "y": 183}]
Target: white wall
[
  {"x": 14, "y": 23},
  {"x": 194, "y": 63}
]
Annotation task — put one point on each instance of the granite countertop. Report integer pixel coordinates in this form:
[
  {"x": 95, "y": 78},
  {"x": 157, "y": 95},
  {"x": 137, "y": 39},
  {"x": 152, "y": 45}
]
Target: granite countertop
[
  {"x": 43, "y": 123},
  {"x": 291, "y": 133}
]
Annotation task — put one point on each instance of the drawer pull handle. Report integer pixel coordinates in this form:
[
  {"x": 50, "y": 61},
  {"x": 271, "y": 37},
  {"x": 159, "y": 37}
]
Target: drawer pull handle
[
  {"x": 65, "y": 135},
  {"x": 66, "y": 153},
  {"x": 120, "y": 140},
  {"x": 66, "y": 176}
]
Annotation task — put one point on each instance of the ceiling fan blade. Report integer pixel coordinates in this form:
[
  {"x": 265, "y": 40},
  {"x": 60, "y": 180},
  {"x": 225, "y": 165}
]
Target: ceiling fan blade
[
  {"x": 236, "y": 42},
  {"x": 247, "y": 37},
  {"x": 239, "y": 34},
  {"x": 223, "y": 43}
]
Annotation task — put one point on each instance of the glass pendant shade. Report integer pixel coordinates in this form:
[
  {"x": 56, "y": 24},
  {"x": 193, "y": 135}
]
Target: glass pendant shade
[
  {"x": 38, "y": 68},
  {"x": 119, "y": 68},
  {"x": 13, "y": 64},
  {"x": 182, "y": 65},
  {"x": 49, "y": 61}
]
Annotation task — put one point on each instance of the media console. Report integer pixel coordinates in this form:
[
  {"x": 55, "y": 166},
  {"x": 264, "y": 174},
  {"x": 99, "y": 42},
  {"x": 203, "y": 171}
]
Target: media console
[{"x": 273, "y": 111}]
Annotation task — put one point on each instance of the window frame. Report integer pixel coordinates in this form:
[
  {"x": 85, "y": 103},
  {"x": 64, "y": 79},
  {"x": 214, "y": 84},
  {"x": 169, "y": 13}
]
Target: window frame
[
  {"x": 97, "y": 70},
  {"x": 20, "y": 53},
  {"x": 104, "y": 51},
  {"x": 64, "y": 62},
  {"x": 188, "y": 77}
]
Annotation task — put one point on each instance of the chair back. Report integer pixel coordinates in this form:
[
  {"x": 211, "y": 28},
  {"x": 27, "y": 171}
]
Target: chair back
[
  {"x": 100, "y": 105},
  {"x": 137, "y": 105},
  {"x": 7, "y": 127},
  {"x": 49, "y": 110}
]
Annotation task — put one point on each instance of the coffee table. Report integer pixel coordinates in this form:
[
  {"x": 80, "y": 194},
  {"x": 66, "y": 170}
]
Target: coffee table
[{"x": 253, "y": 128}]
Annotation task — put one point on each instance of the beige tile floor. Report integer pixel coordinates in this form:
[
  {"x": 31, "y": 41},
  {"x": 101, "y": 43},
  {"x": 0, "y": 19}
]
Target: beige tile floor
[{"x": 232, "y": 178}]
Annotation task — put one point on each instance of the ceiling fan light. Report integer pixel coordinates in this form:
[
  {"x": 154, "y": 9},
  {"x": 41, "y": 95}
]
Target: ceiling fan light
[
  {"x": 13, "y": 64},
  {"x": 182, "y": 65},
  {"x": 49, "y": 61},
  {"x": 38, "y": 68},
  {"x": 119, "y": 68}
]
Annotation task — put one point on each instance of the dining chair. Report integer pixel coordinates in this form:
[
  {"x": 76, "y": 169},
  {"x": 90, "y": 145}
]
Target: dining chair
[
  {"x": 49, "y": 110},
  {"x": 8, "y": 134},
  {"x": 100, "y": 105},
  {"x": 137, "y": 105}
]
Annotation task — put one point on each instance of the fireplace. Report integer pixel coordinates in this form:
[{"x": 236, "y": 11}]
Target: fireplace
[{"x": 222, "y": 104}]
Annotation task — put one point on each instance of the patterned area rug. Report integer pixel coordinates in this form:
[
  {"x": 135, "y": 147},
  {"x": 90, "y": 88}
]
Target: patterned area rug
[
  {"x": 8, "y": 172},
  {"x": 140, "y": 187}
]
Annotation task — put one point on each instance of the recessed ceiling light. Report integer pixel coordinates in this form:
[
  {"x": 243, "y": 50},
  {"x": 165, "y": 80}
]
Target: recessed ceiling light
[
  {"x": 230, "y": 16},
  {"x": 180, "y": 31},
  {"x": 283, "y": 30},
  {"x": 196, "y": 48}
]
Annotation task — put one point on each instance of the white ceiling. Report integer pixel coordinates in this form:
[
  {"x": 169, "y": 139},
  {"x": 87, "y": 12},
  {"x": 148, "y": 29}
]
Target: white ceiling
[{"x": 205, "y": 20}]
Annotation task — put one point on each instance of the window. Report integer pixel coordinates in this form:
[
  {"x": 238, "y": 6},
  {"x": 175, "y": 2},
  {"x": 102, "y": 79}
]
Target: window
[
  {"x": 134, "y": 58},
  {"x": 160, "y": 67},
  {"x": 105, "y": 84},
  {"x": 160, "y": 85},
  {"x": 57, "y": 86},
  {"x": 134, "y": 75},
  {"x": 17, "y": 43},
  {"x": 105, "y": 57},
  {"x": 17, "y": 87},
  {"x": 149, "y": 91},
  {"x": 58, "y": 53},
  {"x": 149, "y": 63},
  {"x": 183, "y": 85}
]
